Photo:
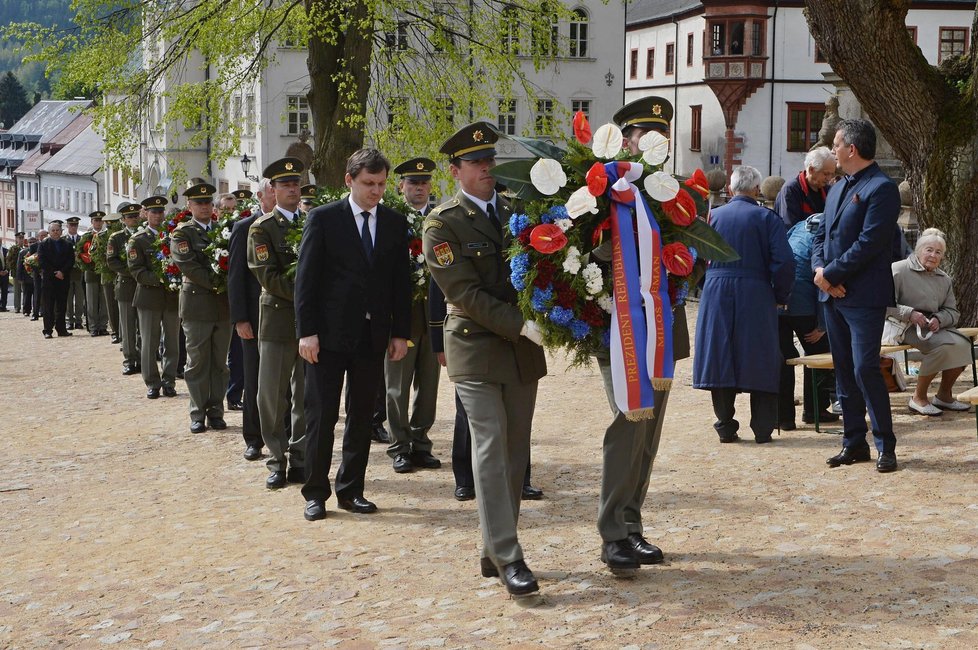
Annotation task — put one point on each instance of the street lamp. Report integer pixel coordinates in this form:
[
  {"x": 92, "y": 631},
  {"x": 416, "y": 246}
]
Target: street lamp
[{"x": 245, "y": 166}]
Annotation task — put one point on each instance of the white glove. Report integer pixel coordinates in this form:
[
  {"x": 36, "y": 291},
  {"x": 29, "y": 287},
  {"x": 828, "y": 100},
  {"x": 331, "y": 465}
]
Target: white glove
[{"x": 532, "y": 331}]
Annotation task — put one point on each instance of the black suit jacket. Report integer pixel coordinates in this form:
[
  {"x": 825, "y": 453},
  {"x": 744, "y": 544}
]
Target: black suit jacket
[
  {"x": 336, "y": 285},
  {"x": 55, "y": 255},
  {"x": 243, "y": 287}
]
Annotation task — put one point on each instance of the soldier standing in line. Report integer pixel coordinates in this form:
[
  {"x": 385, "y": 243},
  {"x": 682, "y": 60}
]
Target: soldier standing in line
[
  {"x": 107, "y": 275},
  {"x": 76, "y": 284},
  {"x": 125, "y": 286},
  {"x": 156, "y": 305},
  {"x": 98, "y": 322},
  {"x": 205, "y": 313},
  {"x": 270, "y": 256},
  {"x": 307, "y": 197},
  {"x": 12, "y": 254}
]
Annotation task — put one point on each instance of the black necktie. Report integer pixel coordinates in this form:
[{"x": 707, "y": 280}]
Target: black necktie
[
  {"x": 368, "y": 244},
  {"x": 491, "y": 211}
]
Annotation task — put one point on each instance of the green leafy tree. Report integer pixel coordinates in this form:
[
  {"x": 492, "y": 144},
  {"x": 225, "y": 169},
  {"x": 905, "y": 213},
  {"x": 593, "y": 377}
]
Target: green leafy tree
[
  {"x": 928, "y": 114},
  {"x": 456, "y": 59},
  {"x": 13, "y": 100}
]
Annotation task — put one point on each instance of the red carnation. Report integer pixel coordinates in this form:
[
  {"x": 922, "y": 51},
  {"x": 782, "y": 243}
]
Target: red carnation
[
  {"x": 698, "y": 183},
  {"x": 592, "y": 314},
  {"x": 415, "y": 247},
  {"x": 677, "y": 258},
  {"x": 566, "y": 297},
  {"x": 597, "y": 179},
  {"x": 524, "y": 237},
  {"x": 244, "y": 214},
  {"x": 165, "y": 249},
  {"x": 545, "y": 274},
  {"x": 582, "y": 130},
  {"x": 680, "y": 210},
  {"x": 547, "y": 238},
  {"x": 223, "y": 262}
]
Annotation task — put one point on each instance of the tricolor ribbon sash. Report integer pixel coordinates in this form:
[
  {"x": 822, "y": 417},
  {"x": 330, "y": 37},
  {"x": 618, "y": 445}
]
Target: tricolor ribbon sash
[{"x": 641, "y": 323}]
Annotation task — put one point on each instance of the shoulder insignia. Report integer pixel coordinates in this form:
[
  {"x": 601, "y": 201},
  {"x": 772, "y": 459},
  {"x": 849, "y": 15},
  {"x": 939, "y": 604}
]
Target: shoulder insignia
[
  {"x": 262, "y": 219},
  {"x": 261, "y": 252},
  {"x": 443, "y": 253},
  {"x": 183, "y": 247},
  {"x": 110, "y": 249},
  {"x": 133, "y": 254},
  {"x": 432, "y": 223}
]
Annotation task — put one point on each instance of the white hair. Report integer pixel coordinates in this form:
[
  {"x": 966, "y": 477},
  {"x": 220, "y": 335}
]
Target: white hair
[
  {"x": 264, "y": 185},
  {"x": 744, "y": 179},
  {"x": 817, "y": 157},
  {"x": 930, "y": 236}
]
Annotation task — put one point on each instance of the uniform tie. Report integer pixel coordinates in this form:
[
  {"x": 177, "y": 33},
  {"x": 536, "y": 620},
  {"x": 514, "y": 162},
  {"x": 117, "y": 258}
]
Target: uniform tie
[
  {"x": 491, "y": 211},
  {"x": 368, "y": 244}
]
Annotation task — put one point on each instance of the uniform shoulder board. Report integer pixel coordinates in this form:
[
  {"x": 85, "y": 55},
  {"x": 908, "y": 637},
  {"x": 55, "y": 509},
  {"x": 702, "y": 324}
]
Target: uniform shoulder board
[
  {"x": 183, "y": 224},
  {"x": 262, "y": 219}
]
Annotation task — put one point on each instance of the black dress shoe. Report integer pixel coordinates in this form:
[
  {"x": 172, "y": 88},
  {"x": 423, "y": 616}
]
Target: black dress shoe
[
  {"x": 357, "y": 504},
  {"x": 48, "y": 335},
  {"x": 464, "y": 493},
  {"x": 764, "y": 439},
  {"x": 296, "y": 475},
  {"x": 645, "y": 553},
  {"x": 197, "y": 427},
  {"x": 276, "y": 480},
  {"x": 519, "y": 579},
  {"x": 315, "y": 510},
  {"x": 850, "y": 455},
  {"x": 425, "y": 459},
  {"x": 488, "y": 569},
  {"x": 403, "y": 464},
  {"x": 252, "y": 453},
  {"x": 179, "y": 374},
  {"x": 70, "y": 327},
  {"x": 234, "y": 406},
  {"x": 620, "y": 557},
  {"x": 129, "y": 370},
  {"x": 787, "y": 426},
  {"x": 34, "y": 318},
  {"x": 531, "y": 493},
  {"x": 169, "y": 391},
  {"x": 115, "y": 339},
  {"x": 152, "y": 393},
  {"x": 379, "y": 434},
  {"x": 886, "y": 462},
  {"x": 732, "y": 437},
  {"x": 217, "y": 423},
  {"x": 823, "y": 416}
]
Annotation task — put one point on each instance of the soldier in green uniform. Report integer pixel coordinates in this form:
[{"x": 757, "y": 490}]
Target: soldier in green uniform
[
  {"x": 125, "y": 286},
  {"x": 76, "y": 286},
  {"x": 307, "y": 197},
  {"x": 270, "y": 256},
  {"x": 106, "y": 275},
  {"x": 98, "y": 317},
  {"x": 630, "y": 447},
  {"x": 205, "y": 313},
  {"x": 156, "y": 305},
  {"x": 410, "y": 446},
  {"x": 493, "y": 355}
]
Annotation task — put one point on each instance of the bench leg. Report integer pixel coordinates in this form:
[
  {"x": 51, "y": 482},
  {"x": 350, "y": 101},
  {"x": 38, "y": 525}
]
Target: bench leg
[
  {"x": 974, "y": 372},
  {"x": 815, "y": 387}
]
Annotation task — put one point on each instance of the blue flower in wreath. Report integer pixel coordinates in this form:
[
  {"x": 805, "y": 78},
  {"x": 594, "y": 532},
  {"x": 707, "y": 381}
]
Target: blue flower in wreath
[
  {"x": 606, "y": 338},
  {"x": 692, "y": 251},
  {"x": 518, "y": 267},
  {"x": 561, "y": 316},
  {"x": 682, "y": 292},
  {"x": 554, "y": 213},
  {"x": 540, "y": 299},
  {"x": 518, "y": 222},
  {"x": 579, "y": 329}
]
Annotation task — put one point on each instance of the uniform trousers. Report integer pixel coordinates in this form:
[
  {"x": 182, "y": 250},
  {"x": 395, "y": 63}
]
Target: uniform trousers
[
  {"x": 250, "y": 421},
  {"x": 18, "y": 289},
  {"x": 55, "y": 300},
  {"x": 500, "y": 418},
  {"x": 206, "y": 374},
  {"x": 420, "y": 368},
  {"x": 76, "y": 300},
  {"x": 128, "y": 331},
  {"x": 362, "y": 368},
  {"x": 628, "y": 452},
  {"x": 462, "y": 450},
  {"x": 235, "y": 367},
  {"x": 111, "y": 307},
  {"x": 155, "y": 324},
  {"x": 281, "y": 367},
  {"x": 98, "y": 315}
]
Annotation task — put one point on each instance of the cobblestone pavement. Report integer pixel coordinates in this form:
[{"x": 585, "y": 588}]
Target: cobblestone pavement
[{"x": 120, "y": 527}]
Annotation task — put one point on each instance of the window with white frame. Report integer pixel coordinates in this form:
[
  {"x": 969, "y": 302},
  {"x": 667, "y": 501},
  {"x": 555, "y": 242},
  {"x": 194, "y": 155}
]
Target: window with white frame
[
  {"x": 507, "y": 116},
  {"x": 581, "y": 105},
  {"x": 578, "y": 33},
  {"x": 298, "y": 114},
  {"x": 544, "y": 119}
]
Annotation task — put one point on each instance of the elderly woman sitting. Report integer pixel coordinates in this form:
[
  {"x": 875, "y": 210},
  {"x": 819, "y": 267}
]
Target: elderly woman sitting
[{"x": 926, "y": 307}]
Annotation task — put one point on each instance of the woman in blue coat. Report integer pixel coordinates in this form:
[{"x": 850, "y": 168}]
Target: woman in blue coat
[{"x": 737, "y": 328}]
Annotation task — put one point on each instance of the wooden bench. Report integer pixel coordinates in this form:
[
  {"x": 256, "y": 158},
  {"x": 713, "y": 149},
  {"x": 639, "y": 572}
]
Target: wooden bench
[{"x": 970, "y": 396}]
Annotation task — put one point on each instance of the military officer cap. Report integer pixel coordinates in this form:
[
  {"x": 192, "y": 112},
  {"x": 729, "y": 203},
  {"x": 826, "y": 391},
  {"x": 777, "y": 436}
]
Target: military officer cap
[
  {"x": 73, "y": 220},
  {"x": 472, "y": 142},
  {"x": 284, "y": 169},
  {"x": 201, "y": 192},
  {"x": 114, "y": 216},
  {"x": 308, "y": 192},
  {"x": 56, "y": 221},
  {"x": 646, "y": 113},
  {"x": 130, "y": 209},
  {"x": 98, "y": 214},
  {"x": 20, "y": 234},
  {"x": 418, "y": 169},
  {"x": 155, "y": 203},
  {"x": 241, "y": 195}
]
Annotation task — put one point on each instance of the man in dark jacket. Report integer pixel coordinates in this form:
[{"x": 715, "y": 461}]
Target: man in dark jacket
[{"x": 56, "y": 258}]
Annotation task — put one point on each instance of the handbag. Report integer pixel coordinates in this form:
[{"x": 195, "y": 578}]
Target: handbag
[{"x": 893, "y": 331}]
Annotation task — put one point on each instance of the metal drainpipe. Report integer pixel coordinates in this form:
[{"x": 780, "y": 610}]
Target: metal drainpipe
[{"x": 774, "y": 55}]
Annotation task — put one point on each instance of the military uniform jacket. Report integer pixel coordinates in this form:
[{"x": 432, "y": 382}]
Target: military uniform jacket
[
  {"x": 101, "y": 240},
  {"x": 269, "y": 258},
  {"x": 11, "y": 261},
  {"x": 466, "y": 257},
  {"x": 77, "y": 272},
  {"x": 115, "y": 252},
  {"x": 198, "y": 300},
  {"x": 150, "y": 292}
]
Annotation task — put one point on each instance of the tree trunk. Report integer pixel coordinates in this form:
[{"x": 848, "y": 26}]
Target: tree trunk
[
  {"x": 930, "y": 120},
  {"x": 340, "y": 45}
]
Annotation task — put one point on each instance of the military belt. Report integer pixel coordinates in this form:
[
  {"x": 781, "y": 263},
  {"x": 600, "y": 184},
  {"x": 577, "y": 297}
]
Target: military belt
[{"x": 455, "y": 310}]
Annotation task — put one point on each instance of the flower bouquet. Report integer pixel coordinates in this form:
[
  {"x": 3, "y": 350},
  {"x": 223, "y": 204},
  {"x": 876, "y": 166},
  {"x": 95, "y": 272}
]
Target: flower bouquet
[
  {"x": 217, "y": 251},
  {"x": 604, "y": 247},
  {"x": 163, "y": 265},
  {"x": 30, "y": 263},
  {"x": 415, "y": 220},
  {"x": 99, "y": 248},
  {"x": 83, "y": 252}
]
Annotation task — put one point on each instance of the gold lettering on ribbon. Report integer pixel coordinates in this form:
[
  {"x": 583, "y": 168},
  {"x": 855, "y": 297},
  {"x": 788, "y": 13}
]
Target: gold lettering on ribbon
[{"x": 625, "y": 328}]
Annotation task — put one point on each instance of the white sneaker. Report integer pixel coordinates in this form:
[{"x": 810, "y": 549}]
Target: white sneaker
[
  {"x": 930, "y": 409},
  {"x": 953, "y": 405}
]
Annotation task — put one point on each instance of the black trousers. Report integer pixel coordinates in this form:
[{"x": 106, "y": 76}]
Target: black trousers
[
  {"x": 250, "y": 426},
  {"x": 55, "y": 304},
  {"x": 462, "y": 450},
  {"x": 763, "y": 412},
  {"x": 236, "y": 368},
  {"x": 27, "y": 300},
  {"x": 4, "y": 289},
  {"x": 800, "y": 326},
  {"x": 361, "y": 368}
]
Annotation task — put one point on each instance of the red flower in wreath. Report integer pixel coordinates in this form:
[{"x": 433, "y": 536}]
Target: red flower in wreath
[
  {"x": 566, "y": 296},
  {"x": 547, "y": 238},
  {"x": 223, "y": 262},
  {"x": 415, "y": 247},
  {"x": 86, "y": 255},
  {"x": 698, "y": 183},
  {"x": 582, "y": 129},
  {"x": 545, "y": 274},
  {"x": 677, "y": 259},
  {"x": 592, "y": 314},
  {"x": 680, "y": 210},
  {"x": 597, "y": 179}
]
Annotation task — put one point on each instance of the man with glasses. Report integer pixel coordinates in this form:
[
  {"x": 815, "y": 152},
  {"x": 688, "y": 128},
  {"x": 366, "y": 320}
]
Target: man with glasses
[{"x": 804, "y": 195}]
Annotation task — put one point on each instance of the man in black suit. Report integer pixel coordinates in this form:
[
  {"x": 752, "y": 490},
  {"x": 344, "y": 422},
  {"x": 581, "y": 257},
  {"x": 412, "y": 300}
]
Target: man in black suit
[
  {"x": 352, "y": 303},
  {"x": 243, "y": 293},
  {"x": 56, "y": 257}
]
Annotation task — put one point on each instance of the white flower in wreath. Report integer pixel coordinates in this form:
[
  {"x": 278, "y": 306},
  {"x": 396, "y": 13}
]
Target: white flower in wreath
[
  {"x": 655, "y": 148},
  {"x": 606, "y": 303},
  {"x": 592, "y": 278},
  {"x": 661, "y": 186},
  {"x": 547, "y": 176},
  {"x": 226, "y": 234},
  {"x": 581, "y": 201},
  {"x": 606, "y": 142},
  {"x": 564, "y": 224},
  {"x": 572, "y": 263}
]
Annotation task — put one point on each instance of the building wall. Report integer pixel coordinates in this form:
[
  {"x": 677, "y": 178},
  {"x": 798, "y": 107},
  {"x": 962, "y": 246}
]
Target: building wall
[
  {"x": 89, "y": 197},
  {"x": 8, "y": 213}
]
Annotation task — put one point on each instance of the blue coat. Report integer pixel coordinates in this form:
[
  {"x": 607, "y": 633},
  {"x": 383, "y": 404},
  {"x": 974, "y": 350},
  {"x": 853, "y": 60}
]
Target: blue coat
[
  {"x": 854, "y": 244},
  {"x": 737, "y": 327}
]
